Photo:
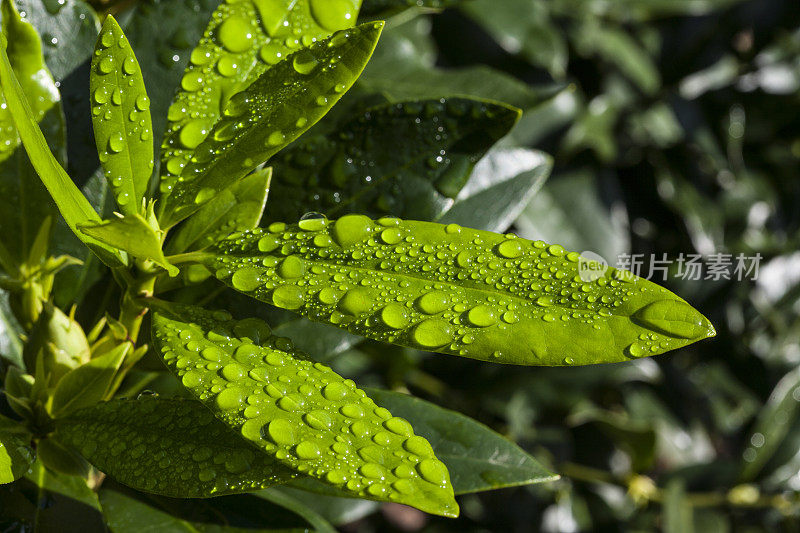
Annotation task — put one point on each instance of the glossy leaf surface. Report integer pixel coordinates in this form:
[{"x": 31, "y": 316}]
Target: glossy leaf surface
[
  {"x": 24, "y": 202},
  {"x": 237, "y": 208},
  {"x": 478, "y": 458},
  {"x": 163, "y": 35},
  {"x": 87, "y": 384},
  {"x": 459, "y": 291},
  {"x": 123, "y": 130},
  {"x": 410, "y": 159},
  {"x": 69, "y": 29},
  {"x": 74, "y": 207},
  {"x": 15, "y": 457},
  {"x": 132, "y": 234},
  {"x": 170, "y": 447},
  {"x": 241, "y": 42},
  {"x": 276, "y": 109},
  {"x": 308, "y": 417}
]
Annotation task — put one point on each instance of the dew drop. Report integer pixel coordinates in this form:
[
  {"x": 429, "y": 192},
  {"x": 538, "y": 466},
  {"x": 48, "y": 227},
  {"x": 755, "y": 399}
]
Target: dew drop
[{"x": 235, "y": 34}]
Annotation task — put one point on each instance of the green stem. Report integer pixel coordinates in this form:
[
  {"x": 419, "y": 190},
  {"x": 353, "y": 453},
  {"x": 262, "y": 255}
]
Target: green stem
[{"x": 132, "y": 310}]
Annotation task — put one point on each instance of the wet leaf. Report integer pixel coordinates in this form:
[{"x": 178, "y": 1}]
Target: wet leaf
[
  {"x": 478, "y": 458},
  {"x": 123, "y": 130},
  {"x": 237, "y": 208},
  {"x": 242, "y": 41},
  {"x": 163, "y": 35},
  {"x": 276, "y": 109},
  {"x": 410, "y": 159},
  {"x": 173, "y": 447},
  {"x": 308, "y": 417},
  {"x": 24, "y": 201},
  {"x": 456, "y": 290},
  {"x": 71, "y": 203}
]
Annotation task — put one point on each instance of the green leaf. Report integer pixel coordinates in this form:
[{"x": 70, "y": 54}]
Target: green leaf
[
  {"x": 403, "y": 68},
  {"x": 242, "y": 41},
  {"x": 173, "y": 447},
  {"x": 18, "y": 387},
  {"x": 73, "y": 284},
  {"x": 618, "y": 47},
  {"x": 308, "y": 417},
  {"x": 456, "y": 290},
  {"x": 69, "y": 29},
  {"x": 478, "y": 458},
  {"x": 87, "y": 384},
  {"x": 772, "y": 424},
  {"x": 237, "y": 208},
  {"x": 533, "y": 35},
  {"x": 276, "y": 109},
  {"x": 16, "y": 457},
  {"x": 60, "y": 458},
  {"x": 163, "y": 35},
  {"x": 74, "y": 207},
  {"x": 123, "y": 130},
  {"x": 132, "y": 234},
  {"x": 500, "y": 187},
  {"x": 410, "y": 159},
  {"x": 25, "y": 202},
  {"x": 287, "y": 501},
  {"x": 59, "y": 499},
  {"x": 337, "y": 510},
  {"x": 128, "y": 512}
]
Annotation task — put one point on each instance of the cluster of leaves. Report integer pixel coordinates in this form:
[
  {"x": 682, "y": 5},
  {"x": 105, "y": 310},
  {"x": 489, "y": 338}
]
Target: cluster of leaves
[{"x": 251, "y": 410}]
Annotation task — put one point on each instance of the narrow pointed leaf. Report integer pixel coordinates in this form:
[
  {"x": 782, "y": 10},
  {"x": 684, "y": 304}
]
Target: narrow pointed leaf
[
  {"x": 410, "y": 159},
  {"x": 123, "y": 131},
  {"x": 87, "y": 384},
  {"x": 272, "y": 112},
  {"x": 24, "y": 201},
  {"x": 170, "y": 447},
  {"x": 301, "y": 412},
  {"x": 237, "y": 208},
  {"x": 16, "y": 457},
  {"x": 133, "y": 234},
  {"x": 242, "y": 41},
  {"x": 74, "y": 207},
  {"x": 478, "y": 458},
  {"x": 163, "y": 35},
  {"x": 457, "y": 290}
]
